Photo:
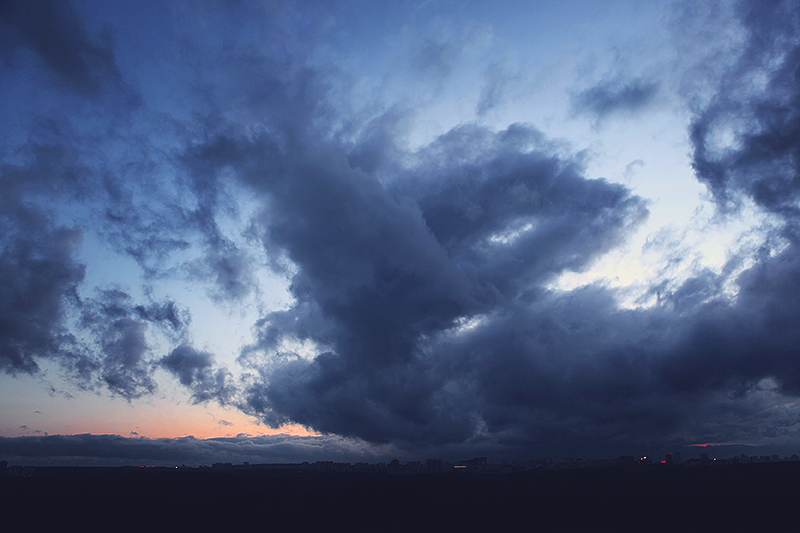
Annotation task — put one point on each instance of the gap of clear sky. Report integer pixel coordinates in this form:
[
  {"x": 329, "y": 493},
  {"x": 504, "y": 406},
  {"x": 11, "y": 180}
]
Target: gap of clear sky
[{"x": 305, "y": 230}]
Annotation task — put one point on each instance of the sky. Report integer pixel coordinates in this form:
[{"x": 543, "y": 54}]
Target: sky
[{"x": 286, "y": 231}]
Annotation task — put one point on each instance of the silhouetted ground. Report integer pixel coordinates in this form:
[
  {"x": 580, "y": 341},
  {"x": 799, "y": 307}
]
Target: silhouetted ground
[{"x": 753, "y": 497}]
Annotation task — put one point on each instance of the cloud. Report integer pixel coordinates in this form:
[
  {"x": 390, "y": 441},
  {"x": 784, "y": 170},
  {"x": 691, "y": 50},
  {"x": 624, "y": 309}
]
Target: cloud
[
  {"x": 384, "y": 274},
  {"x": 611, "y": 97},
  {"x": 119, "y": 326},
  {"x": 194, "y": 370},
  {"x": 433, "y": 325},
  {"x": 54, "y": 33},
  {"x": 422, "y": 315},
  {"x": 162, "y": 312},
  {"x": 438, "y": 48},
  {"x": 746, "y": 147},
  {"x": 425, "y": 312},
  {"x": 60, "y": 165},
  {"x": 496, "y": 78},
  {"x": 745, "y": 140},
  {"x": 38, "y": 278},
  {"x": 111, "y": 450}
]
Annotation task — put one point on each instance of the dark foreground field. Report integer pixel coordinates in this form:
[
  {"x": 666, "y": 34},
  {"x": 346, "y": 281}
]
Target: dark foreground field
[{"x": 753, "y": 497}]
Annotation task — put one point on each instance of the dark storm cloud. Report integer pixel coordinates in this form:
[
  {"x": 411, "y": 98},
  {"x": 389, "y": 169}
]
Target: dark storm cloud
[
  {"x": 195, "y": 370},
  {"x": 40, "y": 273},
  {"x": 161, "y": 312},
  {"x": 511, "y": 212},
  {"x": 611, "y": 97},
  {"x": 384, "y": 276},
  {"x": 38, "y": 277},
  {"x": 57, "y": 167},
  {"x": 125, "y": 368},
  {"x": 426, "y": 301},
  {"x": 120, "y": 328},
  {"x": 761, "y": 157},
  {"x": 376, "y": 146},
  {"x": 747, "y": 145},
  {"x": 88, "y": 163},
  {"x": 52, "y": 30}
]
